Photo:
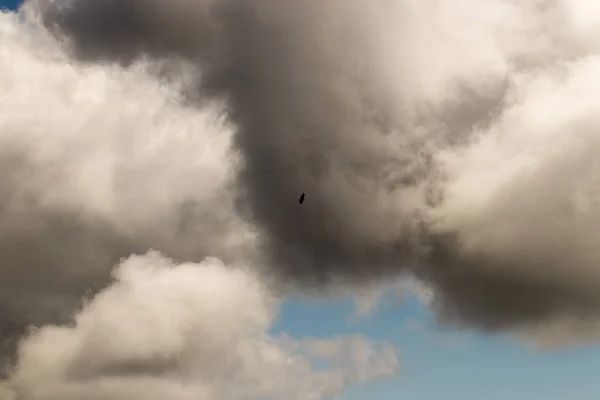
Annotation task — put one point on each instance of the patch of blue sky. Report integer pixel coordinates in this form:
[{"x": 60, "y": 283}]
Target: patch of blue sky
[{"x": 447, "y": 363}]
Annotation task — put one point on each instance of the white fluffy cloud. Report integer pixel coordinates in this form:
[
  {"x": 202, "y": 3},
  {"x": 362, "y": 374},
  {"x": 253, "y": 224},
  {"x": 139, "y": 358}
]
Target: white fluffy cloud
[
  {"x": 114, "y": 144},
  {"x": 187, "y": 331},
  {"x": 98, "y": 162},
  {"x": 526, "y": 191}
]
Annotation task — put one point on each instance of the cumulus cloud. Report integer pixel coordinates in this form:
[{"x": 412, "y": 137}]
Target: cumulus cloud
[
  {"x": 449, "y": 140},
  {"x": 99, "y": 162},
  {"x": 186, "y": 331},
  {"x": 441, "y": 139}
]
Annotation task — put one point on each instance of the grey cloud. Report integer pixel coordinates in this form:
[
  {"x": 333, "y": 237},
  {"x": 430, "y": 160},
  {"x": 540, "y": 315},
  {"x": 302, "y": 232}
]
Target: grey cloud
[
  {"x": 418, "y": 132},
  {"x": 310, "y": 113}
]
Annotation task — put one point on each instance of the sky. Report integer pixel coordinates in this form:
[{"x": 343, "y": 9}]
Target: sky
[
  {"x": 9, "y": 4},
  {"x": 155, "y": 285},
  {"x": 451, "y": 364}
]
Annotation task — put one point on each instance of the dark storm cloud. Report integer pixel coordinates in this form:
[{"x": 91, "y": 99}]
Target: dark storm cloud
[{"x": 309, "y": 109}]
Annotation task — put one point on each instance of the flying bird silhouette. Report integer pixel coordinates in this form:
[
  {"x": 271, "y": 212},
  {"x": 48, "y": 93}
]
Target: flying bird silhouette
[{"x": 301, "y": 199}]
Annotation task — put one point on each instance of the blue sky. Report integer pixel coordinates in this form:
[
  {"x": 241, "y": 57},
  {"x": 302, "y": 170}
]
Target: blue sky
[
  {"x": 11, "y": 4},
  {"x": 446, "y": 364}
]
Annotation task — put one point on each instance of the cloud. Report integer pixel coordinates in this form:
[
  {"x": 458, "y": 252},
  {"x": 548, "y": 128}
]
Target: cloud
[
  {"x": 186, "y": 331},
  {"x": 522, "y": 201},
  {"x": 560, "y": 334},
  {"x": 98, "y": 163},
  {"x": 370, "y": 299},
  {"x": 450, "y": 142}
]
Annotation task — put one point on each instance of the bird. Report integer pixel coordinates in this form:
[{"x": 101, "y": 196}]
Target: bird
[{"x": 301, "y": 199}]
